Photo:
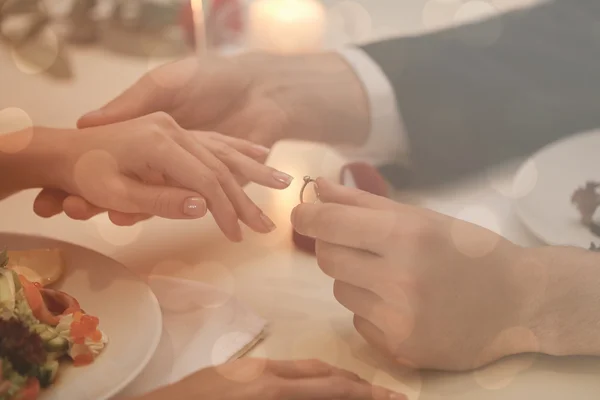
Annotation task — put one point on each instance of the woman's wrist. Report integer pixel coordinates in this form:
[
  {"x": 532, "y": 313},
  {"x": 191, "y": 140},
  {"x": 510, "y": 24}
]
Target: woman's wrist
[{"x": 33, "y": 158}]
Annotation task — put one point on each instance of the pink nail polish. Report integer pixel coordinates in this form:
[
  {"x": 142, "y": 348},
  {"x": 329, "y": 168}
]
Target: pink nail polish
[
  {"x": 270, "y": 225},
  {"x": 283, "y": 177},
  {"x": 194, "y": 207}
]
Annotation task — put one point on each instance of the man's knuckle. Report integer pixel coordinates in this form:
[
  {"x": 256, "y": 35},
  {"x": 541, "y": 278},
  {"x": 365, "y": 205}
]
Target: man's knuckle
[
  {"x": 163, "y": 119},
  {"x": 339, "y": 292},
  {"x": 326, "y": 258},
  {"x": 326, "y": 219}
]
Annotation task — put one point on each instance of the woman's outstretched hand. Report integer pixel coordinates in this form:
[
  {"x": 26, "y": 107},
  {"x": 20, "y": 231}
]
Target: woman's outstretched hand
[{"x": 150, "y": 166}]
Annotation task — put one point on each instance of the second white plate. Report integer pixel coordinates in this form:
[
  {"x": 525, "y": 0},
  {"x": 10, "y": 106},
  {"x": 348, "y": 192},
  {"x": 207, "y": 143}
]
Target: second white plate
[{"x": 552, "y": 175}]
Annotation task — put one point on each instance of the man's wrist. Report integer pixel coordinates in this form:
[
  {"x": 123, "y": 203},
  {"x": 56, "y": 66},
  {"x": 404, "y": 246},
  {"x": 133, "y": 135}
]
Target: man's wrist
[
  {"x": 565, "y": 315},
  {"x": 387, "y": 140},
  {"x": 322, "y": 96}
]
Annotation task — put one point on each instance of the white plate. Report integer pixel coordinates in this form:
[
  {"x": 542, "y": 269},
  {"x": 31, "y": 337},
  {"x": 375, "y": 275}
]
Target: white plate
[
  {"x": 552, "y": 175},
  {"x": 128, "y": 311}
]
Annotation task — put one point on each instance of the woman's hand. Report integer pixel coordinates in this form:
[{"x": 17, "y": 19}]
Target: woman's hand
[
  {"x": 151, "y": 166},
  {"x": 259, "y": 97},
  {"x": 429, "y": 290},
  {"x": 258, "y": 379}
]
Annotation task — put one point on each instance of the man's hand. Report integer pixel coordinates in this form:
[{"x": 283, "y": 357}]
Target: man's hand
[
  {"x": 258, "y": 379},
  {"x": 259, "y": 97},
  {"x": 429, "y": 290}
]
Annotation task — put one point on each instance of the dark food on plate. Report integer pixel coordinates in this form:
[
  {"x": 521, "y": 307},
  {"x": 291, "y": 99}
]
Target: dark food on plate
[
  {"x": 587, "y": 201},
  {"x": 39, "y": 326}
]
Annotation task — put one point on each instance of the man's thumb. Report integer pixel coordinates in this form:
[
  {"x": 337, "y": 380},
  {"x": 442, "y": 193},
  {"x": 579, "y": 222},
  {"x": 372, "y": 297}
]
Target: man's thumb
[{"x": 140, "y": 99}]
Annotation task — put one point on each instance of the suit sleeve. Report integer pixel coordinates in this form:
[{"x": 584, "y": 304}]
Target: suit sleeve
[{"x": 483, "y": 93}]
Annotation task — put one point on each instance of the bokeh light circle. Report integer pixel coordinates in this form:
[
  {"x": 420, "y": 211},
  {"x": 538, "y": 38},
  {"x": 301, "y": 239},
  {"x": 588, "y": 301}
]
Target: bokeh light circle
[
  {"x": 470, "y": 240},
  {"x": 38, "y": 54},
  {"x": 480, "y": 34},
  {"x": 13, "y": 119}
]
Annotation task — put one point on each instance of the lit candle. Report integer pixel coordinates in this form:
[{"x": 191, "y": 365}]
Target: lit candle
[
  {"x": 286, "y": 26},
  {"x": 199, "y": 26}
]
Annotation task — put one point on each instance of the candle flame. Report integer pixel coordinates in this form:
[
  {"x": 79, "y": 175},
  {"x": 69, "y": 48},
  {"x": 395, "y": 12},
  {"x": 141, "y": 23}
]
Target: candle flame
[
  {"x": 199, "y": 25},
  {"x": 197, "y": 7}
]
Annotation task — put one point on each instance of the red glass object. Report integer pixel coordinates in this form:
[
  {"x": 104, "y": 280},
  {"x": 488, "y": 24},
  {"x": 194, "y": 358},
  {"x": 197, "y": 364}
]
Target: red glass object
[
  {"x": 225, "y": 21},
  {"x": 361, "y": 175}
]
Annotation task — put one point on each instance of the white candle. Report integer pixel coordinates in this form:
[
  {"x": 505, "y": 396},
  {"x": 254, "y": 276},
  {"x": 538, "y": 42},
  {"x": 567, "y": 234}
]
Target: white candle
[
  {"x": 199, "y": 26},
  {"x": 286, "y": 26}
]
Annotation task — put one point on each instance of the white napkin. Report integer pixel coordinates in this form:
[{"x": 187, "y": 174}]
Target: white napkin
[{"x": 202, "y": 327}]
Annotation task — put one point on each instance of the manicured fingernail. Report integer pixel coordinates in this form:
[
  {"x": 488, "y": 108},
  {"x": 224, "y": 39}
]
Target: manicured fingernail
[
  {"x": 239, "y": 235},
  {"x": 194, "y": 207},
  {"x": 283, "y": 177},
  {"x": 270, "y": 225},
  {"x": 261, "y": 150}
]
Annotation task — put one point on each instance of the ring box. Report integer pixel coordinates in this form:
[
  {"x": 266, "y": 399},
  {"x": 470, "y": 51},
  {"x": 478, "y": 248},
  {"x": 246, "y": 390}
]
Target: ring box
[{"x": 360, "y": 175}]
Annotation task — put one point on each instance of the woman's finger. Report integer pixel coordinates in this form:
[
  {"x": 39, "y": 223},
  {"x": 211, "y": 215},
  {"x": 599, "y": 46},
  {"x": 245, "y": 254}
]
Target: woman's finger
[
  {"x": 190, "y": 172},
  {"x": 247, "y": 211},
  {"x": 246, "y": 147},
  {"x": 254, "y": 151},
  {"x": 298, "y": 369},
  {"x": 133, "y": 197},
  {"x": 334, "y": 388},
  {"x": 244, "y": 166}
]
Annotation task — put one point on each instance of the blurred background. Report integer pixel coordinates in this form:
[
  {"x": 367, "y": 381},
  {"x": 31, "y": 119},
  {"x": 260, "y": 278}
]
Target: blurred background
[{"x": 55, "y": 51}]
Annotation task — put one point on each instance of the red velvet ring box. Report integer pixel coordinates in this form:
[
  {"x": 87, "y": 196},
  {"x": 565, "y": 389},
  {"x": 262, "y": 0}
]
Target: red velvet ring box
[{"x": 360, "y": 175}]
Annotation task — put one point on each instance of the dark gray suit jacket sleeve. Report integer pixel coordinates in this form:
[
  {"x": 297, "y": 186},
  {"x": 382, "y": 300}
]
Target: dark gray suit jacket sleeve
[{"x": 466, "y": 106}]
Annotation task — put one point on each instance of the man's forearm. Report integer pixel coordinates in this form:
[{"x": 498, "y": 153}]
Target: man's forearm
[{"x": 467, "y": 106}]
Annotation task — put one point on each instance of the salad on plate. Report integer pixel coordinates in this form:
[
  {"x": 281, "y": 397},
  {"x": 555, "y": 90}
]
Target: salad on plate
[{"x": 40, "y": 327}]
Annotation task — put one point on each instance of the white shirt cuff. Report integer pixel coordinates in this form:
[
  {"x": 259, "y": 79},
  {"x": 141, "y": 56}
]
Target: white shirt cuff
[{"x": 387, "y": 142}]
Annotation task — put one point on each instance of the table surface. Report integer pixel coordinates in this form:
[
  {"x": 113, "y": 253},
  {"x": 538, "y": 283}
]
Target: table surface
[{"x": 280, "y": 283}]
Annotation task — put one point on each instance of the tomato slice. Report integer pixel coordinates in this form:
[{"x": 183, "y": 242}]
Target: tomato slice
[
  {"x": 31, "y": 391},
  {"x": 83, "y": 359}
]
